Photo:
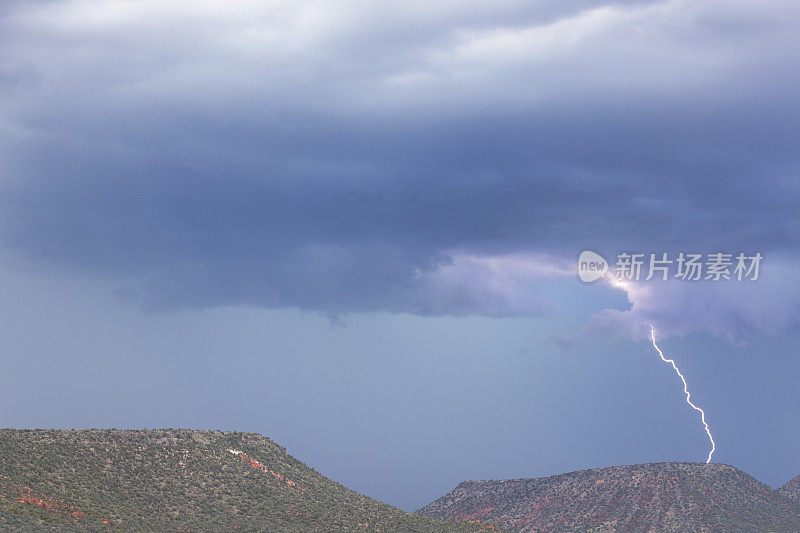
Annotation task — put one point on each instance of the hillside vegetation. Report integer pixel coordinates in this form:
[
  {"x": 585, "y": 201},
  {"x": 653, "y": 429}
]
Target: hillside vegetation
[
  {"x": 179, "y": 480},
  {"x": 791, "y": 489},
  {"x": 637, "y": 498}
]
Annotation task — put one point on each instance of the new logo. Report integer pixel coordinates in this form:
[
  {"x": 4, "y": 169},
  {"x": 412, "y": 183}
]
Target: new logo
[{"x": 591, "y": 266}]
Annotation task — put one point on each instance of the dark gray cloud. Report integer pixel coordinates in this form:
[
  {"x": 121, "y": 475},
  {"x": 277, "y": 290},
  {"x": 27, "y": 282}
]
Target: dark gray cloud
[{"x": 349, "y": 157}]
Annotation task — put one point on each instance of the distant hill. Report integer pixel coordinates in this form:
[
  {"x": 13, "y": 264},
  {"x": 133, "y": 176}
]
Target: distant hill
[
  {"x": 791, "y": 489},
  {"x": 179, "y": 480},
  {"x": 647, "y": 497}
]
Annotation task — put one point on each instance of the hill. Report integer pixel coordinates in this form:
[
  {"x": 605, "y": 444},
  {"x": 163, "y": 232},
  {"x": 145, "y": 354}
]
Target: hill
[
  {"x": 179, "y": 480},
  {"x": 647, "y": 497},
  {"x": 791, "y": 489}
]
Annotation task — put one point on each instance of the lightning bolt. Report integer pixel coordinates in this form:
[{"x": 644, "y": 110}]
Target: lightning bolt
[{"x": 685, "y": 391}]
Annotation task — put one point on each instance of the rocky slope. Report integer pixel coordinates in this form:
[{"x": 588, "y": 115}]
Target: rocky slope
[
  {"x": 791, "y": 489},
  {"x": 647, "y": 497},
  {"x": 179, "y": 480}
]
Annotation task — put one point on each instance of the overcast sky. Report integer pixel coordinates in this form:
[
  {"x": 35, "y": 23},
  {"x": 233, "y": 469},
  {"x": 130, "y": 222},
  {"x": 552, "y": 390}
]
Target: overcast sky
[{"x": 341, "y": 194}]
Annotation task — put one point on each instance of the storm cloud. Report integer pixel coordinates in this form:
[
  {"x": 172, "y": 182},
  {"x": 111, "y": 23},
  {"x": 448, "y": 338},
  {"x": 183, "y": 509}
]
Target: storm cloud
[
  {"x": 433, "y": 159},
  {"x": 733, "y": 310}
]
